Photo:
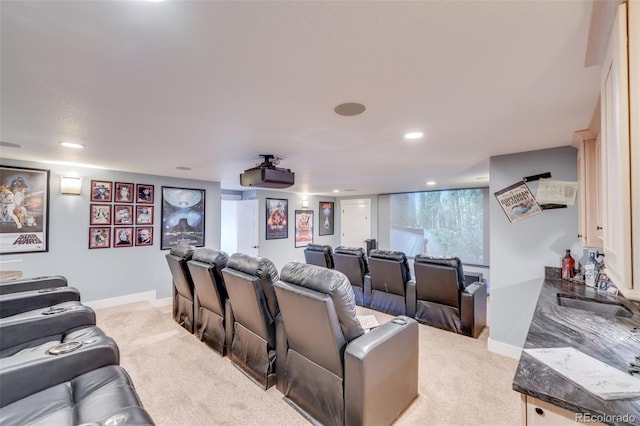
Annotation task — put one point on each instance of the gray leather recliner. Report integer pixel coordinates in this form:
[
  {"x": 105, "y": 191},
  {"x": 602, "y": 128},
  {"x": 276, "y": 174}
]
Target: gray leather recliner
[
  {"x": 33, "y": 283},
  {"x": 320, "y": 255},
  {"x": 249, "y": 281},
  {"x": 444, "y": 300},
  {"x": 183, "y": 304},
  {"x": 390, "y": 281},
  {"x": 328, "y": 368},
  {"x": 211, "y": 299},
  {"x": 352, "y": 261}
]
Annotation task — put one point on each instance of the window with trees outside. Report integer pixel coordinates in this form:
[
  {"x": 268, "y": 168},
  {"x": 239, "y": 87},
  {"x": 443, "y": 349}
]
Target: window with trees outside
[{"x": 441, "y": 223}]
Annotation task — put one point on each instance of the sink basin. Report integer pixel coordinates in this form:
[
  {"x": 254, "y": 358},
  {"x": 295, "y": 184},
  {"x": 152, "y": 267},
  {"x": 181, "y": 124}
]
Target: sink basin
[{"x": 596, "y": 306}]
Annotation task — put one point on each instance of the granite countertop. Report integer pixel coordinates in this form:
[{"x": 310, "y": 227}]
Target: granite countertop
[{"x": 605, "y": 337}]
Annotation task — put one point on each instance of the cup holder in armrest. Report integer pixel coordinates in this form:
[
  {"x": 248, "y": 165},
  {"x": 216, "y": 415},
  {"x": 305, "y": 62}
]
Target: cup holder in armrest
[
  {"x": 400, "y": 321},
  {"x": 52, "y": 311},
  {"x": 64, "y": 348},
  {"x": 48, "y": 290}
]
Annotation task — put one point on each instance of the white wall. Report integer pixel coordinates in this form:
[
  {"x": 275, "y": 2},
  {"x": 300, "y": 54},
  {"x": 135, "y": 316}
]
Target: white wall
[
  {"x": 114, "y": 272},
  {"x": 521, "y": 250}
]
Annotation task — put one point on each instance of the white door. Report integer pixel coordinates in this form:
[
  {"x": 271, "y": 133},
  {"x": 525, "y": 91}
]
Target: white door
[
  {"x": 248, "y": 232},
  {"x": 355, "y": 222}
]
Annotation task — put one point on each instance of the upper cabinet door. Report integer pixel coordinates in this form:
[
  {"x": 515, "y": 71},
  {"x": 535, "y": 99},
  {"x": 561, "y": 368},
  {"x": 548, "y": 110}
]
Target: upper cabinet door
[{"x": 616, "y": 178}]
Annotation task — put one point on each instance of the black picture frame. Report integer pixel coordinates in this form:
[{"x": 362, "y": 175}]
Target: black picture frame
[
  {"x": 24, "y": 210},
  {"x": 303, "y": 228},
  {"x": 276, "y": 218},
  {"x": 183, "y": 217},
  {"x": 326, "y": 222}
]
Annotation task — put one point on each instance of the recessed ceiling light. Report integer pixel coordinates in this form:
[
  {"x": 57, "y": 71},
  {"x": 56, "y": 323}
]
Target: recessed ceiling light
[
  {"x": 350, "y": 108},
  {"x": 431, "y": 182},
  {"x": 482, "y": 178},
  {"x": 413, "y": 135},
  {"x": 336, "y": 190},
  {"x": 72, "y": 145},
  {"x": 183, "y": 168}
]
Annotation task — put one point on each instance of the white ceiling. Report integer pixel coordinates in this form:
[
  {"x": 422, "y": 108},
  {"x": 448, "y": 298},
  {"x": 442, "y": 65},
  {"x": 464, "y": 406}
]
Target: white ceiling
[{"x": 210, "y": 85}]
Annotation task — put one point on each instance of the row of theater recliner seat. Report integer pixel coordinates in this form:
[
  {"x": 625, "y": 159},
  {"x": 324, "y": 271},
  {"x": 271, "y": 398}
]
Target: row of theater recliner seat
[
  {"x": 56, "y": 366},
  {"x": 297, "y": 330},
  {"x": 441, "y": 295}
]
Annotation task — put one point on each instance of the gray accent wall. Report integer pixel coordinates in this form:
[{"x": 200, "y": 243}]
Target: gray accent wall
[
  {"x": 113, "y": 272},
  {"x": 521, "y": 250}
]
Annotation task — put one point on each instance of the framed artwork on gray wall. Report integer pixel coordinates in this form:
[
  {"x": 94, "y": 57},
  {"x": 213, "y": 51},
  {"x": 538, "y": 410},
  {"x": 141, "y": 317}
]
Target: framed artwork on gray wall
[
  {"x": 304, "y": 228},
  {"x": 277, "y": 220},
  {"x": 183, "y": 217},
  {"x": 24, "y": 210},
  {"x": 325, "y": 218}
]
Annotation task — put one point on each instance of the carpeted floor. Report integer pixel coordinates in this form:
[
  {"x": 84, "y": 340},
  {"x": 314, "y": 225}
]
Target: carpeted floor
[{"x": 182, "y": 382}]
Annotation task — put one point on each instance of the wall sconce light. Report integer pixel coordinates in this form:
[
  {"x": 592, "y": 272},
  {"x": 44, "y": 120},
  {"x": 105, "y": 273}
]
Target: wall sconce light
[
  {"x": 305, "y": 204},
  {"x": 70, "y": 185}
]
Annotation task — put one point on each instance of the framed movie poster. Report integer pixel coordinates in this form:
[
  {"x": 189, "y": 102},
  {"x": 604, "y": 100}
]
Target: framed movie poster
[
  {"x": 325, "y": 221},
  {"x": 277, "y": 220},
  {"x": 24, "y": 210},
  {"x": 304, "y": 228},
  {"x": 182, "y": 217}
]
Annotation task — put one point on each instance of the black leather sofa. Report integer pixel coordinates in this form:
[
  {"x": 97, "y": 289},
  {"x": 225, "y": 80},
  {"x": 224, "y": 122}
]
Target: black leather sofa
[
  {"x": 333, "y": 372},
  {"x": 18, "y": 302}
]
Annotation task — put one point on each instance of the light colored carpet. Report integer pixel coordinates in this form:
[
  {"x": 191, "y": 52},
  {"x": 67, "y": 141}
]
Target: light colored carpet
[{"x": 183, "y": 382}]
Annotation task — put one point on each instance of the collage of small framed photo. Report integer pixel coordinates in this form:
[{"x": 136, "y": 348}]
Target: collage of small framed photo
[
  {"x": 144, "y": 194},
  {"x": 144, "y": 235},
  {"x": 123, "y": 236},
  {"x": 144, "y": 215},
  {"x": 100, "y": 214},
  {"x": 101, "y": 190},
  {"x": 100, "y": 237},
  {"x": 122, "y": 214},
  {"x": 123, "y": 192}
]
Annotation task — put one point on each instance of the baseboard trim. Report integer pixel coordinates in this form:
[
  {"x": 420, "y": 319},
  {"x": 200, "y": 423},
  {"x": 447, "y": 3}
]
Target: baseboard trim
[
  {"x": 504, "y": 349},
  {"x": 147, "y": 296},
  {"x": 166, "y": 301}
]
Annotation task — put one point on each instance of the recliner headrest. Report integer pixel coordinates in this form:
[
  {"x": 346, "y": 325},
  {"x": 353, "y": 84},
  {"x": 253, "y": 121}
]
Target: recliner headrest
[
  {"x": 389, "y": 255},
  {"x": 211, "y": 256},
  {"x": 257, "y": 266},
  {"x": 184, "y": 251},
  {"x": 354, "y": 251},
  {"x": 450, "y": 261},
  {"x": 318, "y": 247},
  {"x": 333, "y": 283}
]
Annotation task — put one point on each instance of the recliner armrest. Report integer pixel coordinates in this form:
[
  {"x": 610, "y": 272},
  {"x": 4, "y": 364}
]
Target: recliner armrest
[
  {"x": 411, "y": 298},
  {"x": 33, "y": 283},
  {"x": 381, "y": 373},
  {"x": 282, "y": 347},
  {"x": 17, "y": 303},
  {"x": 477, "y": 286},
  {"x": 473, "y": 309}
]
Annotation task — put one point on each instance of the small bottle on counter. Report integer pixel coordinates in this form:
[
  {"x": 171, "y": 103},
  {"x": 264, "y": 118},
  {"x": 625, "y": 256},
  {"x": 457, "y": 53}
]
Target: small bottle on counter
[
  {"x": 568, "y": 266},
  {"x": 591, "y": 270}
]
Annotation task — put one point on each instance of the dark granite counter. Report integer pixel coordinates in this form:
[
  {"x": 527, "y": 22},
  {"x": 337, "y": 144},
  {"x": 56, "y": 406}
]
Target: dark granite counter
[{"x": 605, "y": 337}]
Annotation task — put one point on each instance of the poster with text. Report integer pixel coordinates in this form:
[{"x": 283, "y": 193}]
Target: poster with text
[
  {"x": 24, "y": 210},
  {"x": 304, "y": 228},
  {"x": 517, "y": 202},
  {"x": 325, "y": 222},
  {"x": 277, "y": 220}
]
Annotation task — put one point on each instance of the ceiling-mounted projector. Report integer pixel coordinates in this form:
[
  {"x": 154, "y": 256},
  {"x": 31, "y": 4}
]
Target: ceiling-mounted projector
[{"x": 267, "y": 175}]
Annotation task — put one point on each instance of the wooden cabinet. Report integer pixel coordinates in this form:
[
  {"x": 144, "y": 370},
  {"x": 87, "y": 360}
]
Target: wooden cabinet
[
  {"x": 589, "y": 177},
  {"x": 617, "y": 139},
  {"x": 535, "y": 412}
]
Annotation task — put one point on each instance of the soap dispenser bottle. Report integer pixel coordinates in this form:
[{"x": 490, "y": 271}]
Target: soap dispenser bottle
[{"x": 591, "y": 270}]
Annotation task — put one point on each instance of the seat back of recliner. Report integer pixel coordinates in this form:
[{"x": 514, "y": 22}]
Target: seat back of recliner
[
  {"x": 351, "y": 261},
  {"x": 206, "y": 272},
  {"x": 437, "y": 280},
  {"x": 320, "y": 255},
  {"x": 389, "y": 271},
  {"x": 177, "y": 260}
]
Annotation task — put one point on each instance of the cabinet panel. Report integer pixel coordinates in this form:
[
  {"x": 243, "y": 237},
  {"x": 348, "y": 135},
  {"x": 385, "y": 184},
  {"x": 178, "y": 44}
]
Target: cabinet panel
[
  {"x": 615, "y": 161},
  {"x": 589, "y": 206},
  {"x": 541, "y": 413}
]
